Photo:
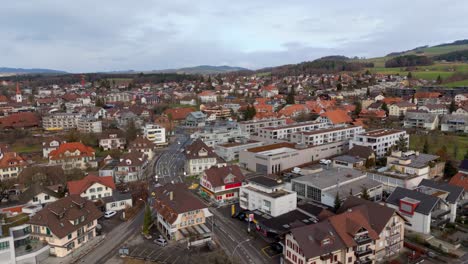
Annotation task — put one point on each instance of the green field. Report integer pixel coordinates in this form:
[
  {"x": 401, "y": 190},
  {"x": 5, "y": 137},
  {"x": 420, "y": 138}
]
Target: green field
[
  {"x": 436, "y": 141},
  {"x": 433, "y": 51},
  {"x": 456, "y": 84},
  {"x": 22, "y": 148}
]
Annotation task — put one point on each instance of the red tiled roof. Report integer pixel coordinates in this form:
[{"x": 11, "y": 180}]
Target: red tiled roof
[
  {"x": 71, "y": 147},
  {"x": 78, "y": 187},
  {"x": 337, "y": 116},
  {"x": 179, "y": 113},
  {"x": 426, "y": 95},
  {"x": 460, "y": 179},
  {"x": 216, "y": 176},
  {"x": 20, "y": 120},
  {"x": 11, "y": 159},
  {"x": 290, "y": 110}
]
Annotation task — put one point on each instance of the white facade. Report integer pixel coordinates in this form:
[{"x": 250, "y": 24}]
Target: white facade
[
  {"x": 96, "y": 191},
  {"x": 418, "y": 222},
  {"x": 380, "y": 140},
  {"x": 253, "y": 126},
  {"x": 285, "y": 132},
  {"x": 230, "y": 151},
  {"x": 327, "y": 135},
  {"x": 89, "y": 125},
  {"x": 155, "y": 133}
]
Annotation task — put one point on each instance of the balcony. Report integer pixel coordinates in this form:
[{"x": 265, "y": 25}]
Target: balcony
[
  {"x": 363, "y": 240},
  {"x": 439, "y": 213},
  {"x": 365, "y": 261},
  {"x": 363, "y": 253}
]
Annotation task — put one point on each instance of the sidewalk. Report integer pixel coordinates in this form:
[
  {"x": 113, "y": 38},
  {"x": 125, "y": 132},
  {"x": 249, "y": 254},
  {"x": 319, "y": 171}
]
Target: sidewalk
[{"x": 78, "y": 253}]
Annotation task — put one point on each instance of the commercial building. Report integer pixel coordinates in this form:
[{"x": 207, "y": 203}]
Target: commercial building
[
  {"x": 253, "y": 126},
  {"x": 267, "y": 195},
  {"x": 221, "y": 184},
  {"x": 220, "y": 133},
  {"x": 326, "y": 135},
  {"x": 230, "y": 151},
  {"x": 380, "y": 140}
]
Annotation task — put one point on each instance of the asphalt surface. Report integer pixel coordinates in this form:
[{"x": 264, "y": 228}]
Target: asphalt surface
[{"x": 169, "y": 166}]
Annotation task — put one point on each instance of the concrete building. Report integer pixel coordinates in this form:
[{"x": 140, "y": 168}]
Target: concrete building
[
  {"x": 230, "y": 151},
  {"x": 380, "y": 140},
  {"x": 285, "y": 132},
  {"x": 220, "y": 133},
  {"x": 60, "y": 121},
  {"x": 326, "y": 135},
  {"x": 454, "y": 123},
  {"x": 89, "y": 125},
  {"x": 155, "y": 134},
  {"x": 267, "y": 195},
  {"x": 253, "y": 126},
  {"x": 418, "y": 120},
  {"x": 221, "y": 184}
]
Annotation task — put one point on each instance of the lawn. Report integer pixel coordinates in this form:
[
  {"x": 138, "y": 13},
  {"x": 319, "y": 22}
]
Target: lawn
[
  {"x": 22, "y": 148},
  {"x": 437, "y": 140},
  {"x": 456, "y": 84}
]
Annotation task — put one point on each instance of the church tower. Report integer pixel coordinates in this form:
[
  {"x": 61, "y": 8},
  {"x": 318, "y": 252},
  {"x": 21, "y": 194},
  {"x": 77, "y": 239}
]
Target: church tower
[{"x": 19, "y": 97}]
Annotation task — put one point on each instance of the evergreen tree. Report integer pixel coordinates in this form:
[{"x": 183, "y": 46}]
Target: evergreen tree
[
  {"x": 337, "y": 202},
  {"x": 449, "y": 169},
  {"x": 426, "y": 147},
  {"x": 290, "y": 97},
  {"x": 439, "y": 79},
  {"x": 402, "y": 143},
  {"x": 339, "y": 87},
  {"x": 385, "y": 108},
  {"x": 365, "y": 194},
  {"x": 358, "y": 108},
  {"x": 452, "y": 107},
  {"x": 368, "y": 92},
  {"x": 410, "y": 76},
  {"x": 147, "y": 220},
  {"x": 131, "y": 131}
]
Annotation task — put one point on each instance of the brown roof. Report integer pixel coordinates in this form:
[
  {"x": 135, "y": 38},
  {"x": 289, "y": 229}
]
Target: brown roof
[
  {"x": 141, "y": 142},
  {"x": 460, "y": 179},
  {"x": 217, "y": 176},
  {"x": 80, "y": 186},
  {"x": 136, "y": 159},
  {"x": 361, "y": 151},
  {"x": 272, "y": 146},
  {"x": 338, "y": 116},
  {"x": 179, "y": 113},
  {"x": 20, "y": 120},
  {"x": 182, "y": 201},
  {"x": 193, "y": 149},
  {"x": 57, "y": 215}
]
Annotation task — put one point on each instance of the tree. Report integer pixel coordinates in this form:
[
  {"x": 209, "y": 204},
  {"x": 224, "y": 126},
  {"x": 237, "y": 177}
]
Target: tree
[
  {"x": 365, "y": 193},
  {"x": 131, "y": 131},
  {"x": 452, "y": 107},
  {"x": 358, "y": 108},
  {"x": 439, "y": 79},
  {"x": 442, "y": 153},
  {"x": 99, "y": 102},
  {"x": 339, "y": 87},
  {"x": 466, "y": 155},
  {"x": 449, "y": 169},
  {"x": 385, "y": 108},
  {"x": 337, "y": 201},
  {"x": 250, "y": 112},
  {"x": 426, "y": 147},
  {"x": 370, "y": 163},
  {"x": 410, "y": 75},
  {"x": 368, "y": 92},
  {"x": 147, "y": 220},
  {"x": 402, "y": 143},
  {"x": 290, "y": 97}
]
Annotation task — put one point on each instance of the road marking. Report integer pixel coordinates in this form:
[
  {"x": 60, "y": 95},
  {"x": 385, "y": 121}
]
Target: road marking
[
  {"x": 152, "y": 251},
  {"x": 175, "y": 261}
]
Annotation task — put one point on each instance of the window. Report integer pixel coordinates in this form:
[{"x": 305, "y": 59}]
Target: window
[
  {"x": 81, "y": 240},
  {"x": 335, "y": 258},
  {"x": 47, "y": 197},
  {"x": 350, "y": 259},
  {"x": 4, "y": 245},
  {"x": 69, "y": 236},
  {"x": 99, "y": 189},
  {"x": 35, "y": 199}
]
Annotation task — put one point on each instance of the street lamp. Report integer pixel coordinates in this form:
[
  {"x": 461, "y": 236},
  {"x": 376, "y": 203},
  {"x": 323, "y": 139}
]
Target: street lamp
[{"x": 247, "y": 240}]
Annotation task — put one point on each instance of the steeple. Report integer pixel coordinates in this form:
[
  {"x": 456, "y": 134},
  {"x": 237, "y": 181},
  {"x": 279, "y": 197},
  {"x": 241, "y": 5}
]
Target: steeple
[{"x": 19, "y": 97}]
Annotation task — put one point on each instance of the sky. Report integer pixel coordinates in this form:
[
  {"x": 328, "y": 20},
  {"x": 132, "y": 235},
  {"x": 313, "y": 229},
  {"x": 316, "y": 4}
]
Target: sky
[{"x": 104, "y": 35}]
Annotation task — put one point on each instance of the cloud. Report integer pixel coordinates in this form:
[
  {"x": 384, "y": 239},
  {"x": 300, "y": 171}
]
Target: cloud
[{"x": 86, "y": 35}]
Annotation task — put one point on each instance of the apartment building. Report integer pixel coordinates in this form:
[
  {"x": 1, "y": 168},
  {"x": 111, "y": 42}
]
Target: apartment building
[
  {"x": 112, "y": 140},
  {"x": 89, "y": 125},
  {"x": 284, "y": 132},
  {"x": 267, "y": 195},
  {"x": 454, "y": 123},
  {"x": 400, "y": 108},
  {"x": 143, "y": 145},
  {"x": 130, "y": 167},
  {"x": 380, "y": 140},
  {"x": 220, "y": 133},
  {"x": 230, "y": 151},
  {"x": 252, "y": 127},
  {"x": 71, "y": 223},
  {"x": 60, "y": 121},
  {"x": 426, "y": 121},
  {"x": 117, "y": 97},
  {"x": 73, "y": 155},
  {"x": 437, "y": 109},
  {"x": 199, "y": 157},
  {"x": 155, "y": 133},
  {"x": 416, "y": 163},
  {"x": 180, "y": 215},
  {"x": 11, "y": 164},
  {"x": 221, "y": 184},
  {"x": 326, "y": 135}
]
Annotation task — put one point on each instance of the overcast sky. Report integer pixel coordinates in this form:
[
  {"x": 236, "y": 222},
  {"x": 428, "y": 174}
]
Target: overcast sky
[{"x": 101, "y": 35}]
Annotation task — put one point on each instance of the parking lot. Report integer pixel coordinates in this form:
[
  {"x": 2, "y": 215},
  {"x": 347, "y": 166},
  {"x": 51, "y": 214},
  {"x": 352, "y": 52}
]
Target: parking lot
[{"x": 111, "y": 223}]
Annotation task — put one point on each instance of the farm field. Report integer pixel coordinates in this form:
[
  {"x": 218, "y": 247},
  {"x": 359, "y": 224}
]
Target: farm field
[{"x": 438, "y": 140}]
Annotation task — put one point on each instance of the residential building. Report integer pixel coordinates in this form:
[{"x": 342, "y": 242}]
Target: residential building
[
  {"x": 422, "y": 120},
  {"x": 421, "y": 209},
  {"x": 335, "y": 117},
  {"x": 380, "y": 140},
  {"x": 143, "y": 145},
  {"x": 60, "y": 121},
  {"x": 11, "y": 164},
  {"x": 89, "y": 125},
  {"x": 217, "y": 111},
  {"x": 208, "y": 97},
  {"x": 220, "y": 133},
  {"x": 180, "y": 215},
  {"x": 400, "y": 108},
  {"x": 73, "y": 155},
  {"x": 253, "y": 126},
  {"x": 460, "y": 98},
  {"x": 221, "y": 184},
  {"x": 195, "y": 119},
  {"x": 285, "y": 132},
  {"x": 112, "y": 140},
  {"x": 199, "y": 157},
  {"x": 230, "y": 151},
  {"x": 38, "y": 194},
  {"x": 267, "y": 195},
  {"x": 326, "y": 135},
  {"x": 130, "y": 167},
  {"x": 437, "y": 109},
  {"x": 324, "y": 185},
  {"x": 50, "y": 145},
  {"x": 415, "y": 163},
  {"x": 117, "y": 97},
  {"x": 454, "y": 123},
  {"x": 155, "y": 134},
  {"x": 66, "y": 224},
  {"x": 348, "y": 161}
]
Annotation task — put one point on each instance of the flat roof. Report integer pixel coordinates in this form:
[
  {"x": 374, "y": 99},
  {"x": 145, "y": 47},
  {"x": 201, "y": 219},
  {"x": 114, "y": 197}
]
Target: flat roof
[
  {"x": 382, "y": 132},
  {"x": 235, "y": 144},
  {"x": 354, "y": 187},
  {"x": 325, "y": 130},
  {"x": 277, "y": 151},
  {"x": 265, "y": 181},
  {"x": 272, "y": 147},
  {"x": 330, "y": 177},
  {"x": 292, "y": 126}
]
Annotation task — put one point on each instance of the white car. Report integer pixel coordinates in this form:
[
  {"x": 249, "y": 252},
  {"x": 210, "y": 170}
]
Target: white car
[
  {"x": 325, "y": 161},
  {"x": 160, "y": 242},
  {"x": 109, "y": 214}
]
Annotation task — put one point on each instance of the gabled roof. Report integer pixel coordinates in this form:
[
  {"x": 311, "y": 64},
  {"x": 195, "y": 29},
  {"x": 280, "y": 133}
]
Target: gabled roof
[
  {"x": 191, "y": 152},
  {"x": 460, "y": 179},
  {"x": 216, "y": 176},
  {"x": 426, "y": 202},
  {"x": 71, "y": 147},
  {"x": 11, "y": 159},
  {"x": 337, "y": 116},
  {"x": 34, "y": 190},
  {"x": 80, "y": 186},
  {"x": 361, "y": 151},
  {"x": 454, "y": 191}
]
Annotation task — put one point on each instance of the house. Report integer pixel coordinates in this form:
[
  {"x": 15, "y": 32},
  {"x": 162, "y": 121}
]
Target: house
[
  {"x": 324, "y": 185},
  {"x": 462, "y": 110},
  {"x": 454, "y": 123},
  {"x": 380, "y": 140},
  {"x": 416, "y": 120},
  {"x": 438, "y": 109},
  {"x": 143, "y": 145},
  {"x": 267, "y": 195},
  {"x": 423, "y": 98},
  {"x": 362, "y": 152},
  {"x": 66, "y": 224},
  {"x": 294, "y": 110},
  {"x": 155, "y": 134},
  {"x": 221, "y": 184},
  {"x": 180, "y": 215},
  {"x": 178, "y": 115},
  {"x": 208, "y": 97},
  {"x": 460, "y": 179},
  {"x": 400, "y": 108},
  {"x": 110, "y": 140},
  {"x": 415, "y": 163},
  {"x": 195, "y": 119},
  {"x": 230, "y": 151},
  {"x": 200, "y": 157},
  {"x": 50, "y": 145},
  {"x": 130, "y": 167},
  {"x": 269, "y": 91},
  {"x": 102, "y": 188},
  {"x": 336, "y": 117},
  {"x": 73, "y": 155},
  {"x": 347, "y": 161},
  {"x": 421, "y": 209},
  {"x": 38, "y": 194},
  {"x": 460, "y": 98},
  {"x": 11, "y": 164}
]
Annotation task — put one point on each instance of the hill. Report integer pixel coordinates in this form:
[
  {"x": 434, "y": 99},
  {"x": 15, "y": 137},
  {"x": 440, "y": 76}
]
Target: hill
[
  {"x": 12, "y": 71},
  {"x": 203, "y": 69}
]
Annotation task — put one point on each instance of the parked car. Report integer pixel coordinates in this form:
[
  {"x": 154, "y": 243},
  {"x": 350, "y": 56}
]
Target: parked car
[
  {"x": 277, "y": 247},
  {"x": 109, "y": 214},
  {"x": 325, "y": 162},
  {"x": 160, "y": 242}
]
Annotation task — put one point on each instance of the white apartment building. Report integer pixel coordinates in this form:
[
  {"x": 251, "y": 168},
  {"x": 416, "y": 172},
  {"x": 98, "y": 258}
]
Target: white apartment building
[
  {"x": 454, "y": 123},
  {"x": 268, "y": 196},
  {"x": 89, "y": 125},
  {"x": 220, "y": 133},
  {"x": 155, "y": 133},
  {"x": 253, "y": 126},
  {"x": 421, "y": 120},
  {"x": 60, "y": 121},
  {"x": 380, "y": 140},
  {"x": 326, "y": 135},
  {"x": 285, "y": 132}
]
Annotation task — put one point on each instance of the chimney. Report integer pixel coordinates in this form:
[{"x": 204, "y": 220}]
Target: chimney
[{"x": 171, "y": 195}]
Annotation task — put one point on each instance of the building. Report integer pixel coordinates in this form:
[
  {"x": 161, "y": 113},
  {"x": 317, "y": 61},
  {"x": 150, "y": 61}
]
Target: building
[
  {"x": 220, "y": 133},
  {"x": 422, "y": 120},
  {"x": 66, "y": 224},
  {"x": 38, "y": 194},
  {"x": 324, "y": 185},
  {"x": 11, "y": 164},
  {"x": 380, "y": 140},
  {"x": 454, "y": 123},
  {"x": 252, "y": 127},
  {"x": 217, "y": 111},
  {"x": 348, "y": 161},
  {"x": 130, "y": 167},
  {"x": 416, "y": 163},
  {"x": 89, "y": 125},
  {"x": 208, "y": 97},
  {"x": 102, "y": 188},
  {"x": 18, "y": 95},
  {"x": 221, "y": 184},
  {"x": 199, "y": 157},
  {"x": 422, "y": 209},
  {"x": 195, "y": 119},
  {"x": 400, "y": 108},
  {"x": 230, "y": 151},
  {"x": 73, "y": 155},
  {"x": 142, "y": 145},
  {"x": 117, "y": 97},
  {"x": 112, "y": 140},
  {"x": 336, "y": 117},
  {"x": 180, "y": 215},
  {"x": 285, "y": 132},
  {"x": 155, "y": 134},
  {"x": 326, "y": 135},
  {"x": 60, "y": 121},
  {"x": 267, "y": 195},
  {"x": 50, "y": 145},
  {"x": 437, "y": 109}
]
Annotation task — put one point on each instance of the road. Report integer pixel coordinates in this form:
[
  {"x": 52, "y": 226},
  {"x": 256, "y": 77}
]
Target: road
[{"x": 170, "y": 165}]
